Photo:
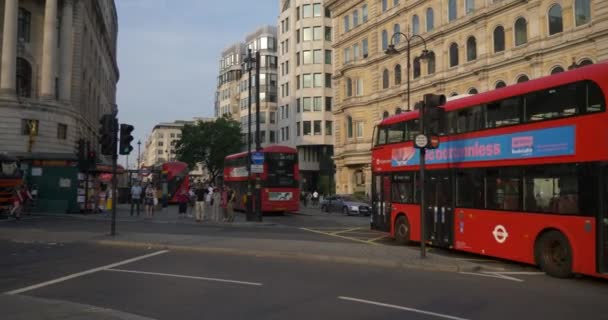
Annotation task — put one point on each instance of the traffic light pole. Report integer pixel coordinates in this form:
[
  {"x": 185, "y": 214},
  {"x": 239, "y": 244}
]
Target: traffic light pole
[{"x": 114, "y": 178}]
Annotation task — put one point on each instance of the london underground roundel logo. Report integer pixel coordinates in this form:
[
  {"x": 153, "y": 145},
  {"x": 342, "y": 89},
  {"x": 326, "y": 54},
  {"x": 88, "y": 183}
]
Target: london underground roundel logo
[{"x": 500, "y": 234}]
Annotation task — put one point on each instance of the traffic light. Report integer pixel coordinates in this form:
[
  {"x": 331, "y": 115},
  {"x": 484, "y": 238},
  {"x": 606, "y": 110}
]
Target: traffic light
[
  {"x": 80, "y": 150},
  {"x": 91, "y": 159},
  {"x": 434, "y": 114},
  {"x": 107, "y": 134},
  {"x": 125, "y": 139}
]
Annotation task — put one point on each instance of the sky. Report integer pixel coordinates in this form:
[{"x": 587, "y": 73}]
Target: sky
[{"x": 168, "y": 55}]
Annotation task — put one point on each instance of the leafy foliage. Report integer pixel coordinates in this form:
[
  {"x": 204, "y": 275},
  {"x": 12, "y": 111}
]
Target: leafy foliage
[{"x": 209, "y": 143}]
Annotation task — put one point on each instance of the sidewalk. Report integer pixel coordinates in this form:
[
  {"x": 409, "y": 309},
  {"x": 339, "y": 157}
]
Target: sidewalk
[{"x": 19, "y": 307}]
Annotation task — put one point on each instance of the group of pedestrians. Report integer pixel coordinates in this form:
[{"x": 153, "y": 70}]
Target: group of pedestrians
[
  {"x": 206, "y": 202},
  {"x": 148, "y": 195},
  {"x": 310, "y": 197}
]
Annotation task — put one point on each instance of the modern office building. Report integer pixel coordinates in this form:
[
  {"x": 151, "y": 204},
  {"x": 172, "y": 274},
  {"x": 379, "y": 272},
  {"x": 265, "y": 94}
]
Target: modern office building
[
  {"x": 474, "y": 45},
  {"x": 58, "y": 75},
  {"x": 229, "y": 79},
  {"x": 305, "y": 102}
]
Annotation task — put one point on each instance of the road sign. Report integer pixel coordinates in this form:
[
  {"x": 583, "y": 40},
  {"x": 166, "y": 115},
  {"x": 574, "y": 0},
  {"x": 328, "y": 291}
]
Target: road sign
[
  {"x": 421, "y": 141},
  {"x": 257, "y": 168},
  {"x": 257, "y": 158}
]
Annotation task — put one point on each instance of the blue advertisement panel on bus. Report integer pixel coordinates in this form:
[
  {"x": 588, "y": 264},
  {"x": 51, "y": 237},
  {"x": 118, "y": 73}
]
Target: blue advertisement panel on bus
[{"x": 559, "y": 141}]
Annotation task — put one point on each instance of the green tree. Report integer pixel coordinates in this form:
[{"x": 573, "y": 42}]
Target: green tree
[{"x": 209, "y": 143}]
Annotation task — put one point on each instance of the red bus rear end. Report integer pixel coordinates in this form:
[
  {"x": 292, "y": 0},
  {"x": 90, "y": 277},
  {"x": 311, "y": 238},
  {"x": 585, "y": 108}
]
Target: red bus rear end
[
  {"x": 177, "y": 175},
  {"x": 279, "y": 181}
]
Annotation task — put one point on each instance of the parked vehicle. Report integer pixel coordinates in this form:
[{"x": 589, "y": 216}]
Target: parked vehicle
[{"x": 345, "y": 204}]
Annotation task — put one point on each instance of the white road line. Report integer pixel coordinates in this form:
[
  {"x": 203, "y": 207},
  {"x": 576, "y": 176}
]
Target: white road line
[
  {"x": 439, "y": 315},
  {"x": 187, "y": 277},
  {"x": 84, "y": 273},
  {"x": 501, "y": 275}
]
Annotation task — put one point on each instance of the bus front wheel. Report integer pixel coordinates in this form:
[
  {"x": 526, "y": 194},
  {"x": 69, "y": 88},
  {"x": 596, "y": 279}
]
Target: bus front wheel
[
  {"x": 554, "y": 255},
  {"x": 402, "y": 230}
]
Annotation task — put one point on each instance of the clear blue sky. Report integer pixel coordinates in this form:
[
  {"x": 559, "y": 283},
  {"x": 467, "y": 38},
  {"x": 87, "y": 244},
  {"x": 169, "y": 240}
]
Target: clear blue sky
[{"x": 168, "y": 53}]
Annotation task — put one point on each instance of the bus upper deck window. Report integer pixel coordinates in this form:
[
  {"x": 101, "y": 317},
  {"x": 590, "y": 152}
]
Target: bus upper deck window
[{"x": 596, "y": 102}]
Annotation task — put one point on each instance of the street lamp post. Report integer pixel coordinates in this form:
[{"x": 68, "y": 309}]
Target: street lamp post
[
  {"x": 249, "y": 60},
  {"x": 138, "y": 154},
  {"x": 393, "y": 51},
  {"x": 425, "y": 53}
]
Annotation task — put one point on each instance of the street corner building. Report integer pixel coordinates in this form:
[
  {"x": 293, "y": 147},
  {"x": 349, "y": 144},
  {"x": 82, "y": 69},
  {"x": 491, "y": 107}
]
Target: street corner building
[
  {"x": 473, "y": 46},
  {"x": 58, "y": 76}
]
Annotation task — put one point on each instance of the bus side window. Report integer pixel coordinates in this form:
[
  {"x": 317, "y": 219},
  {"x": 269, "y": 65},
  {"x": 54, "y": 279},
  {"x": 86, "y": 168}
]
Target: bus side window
[{"x": 596, "y": 102}]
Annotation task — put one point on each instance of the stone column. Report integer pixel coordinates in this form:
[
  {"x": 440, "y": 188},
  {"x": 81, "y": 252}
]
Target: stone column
[
  {"x": 49, "y": 50},
  {"x": 9, "y": 48},
  {"x": 67, "y": 48}
]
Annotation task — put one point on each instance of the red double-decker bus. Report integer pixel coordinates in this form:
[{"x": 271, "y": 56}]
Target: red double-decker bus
[
  {"x": 521, "y": 174},
  {"x": 279, "y": 182},
  {"x": 177, "y": 175}
]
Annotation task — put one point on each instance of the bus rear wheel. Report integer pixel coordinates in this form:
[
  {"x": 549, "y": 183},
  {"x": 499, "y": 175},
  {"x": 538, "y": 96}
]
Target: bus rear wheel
[
  {"x": 554, "y": 255},
  {"x": 402, "y": 230}
]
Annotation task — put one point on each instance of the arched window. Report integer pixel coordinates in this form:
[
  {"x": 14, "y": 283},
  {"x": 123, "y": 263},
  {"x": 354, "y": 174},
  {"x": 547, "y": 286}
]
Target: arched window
[
  {"x": 430, "y": 63},
  {"x": 396, "y": 30},
  {"x": 582, "y": 12},
  {"x": 384, "y": 5},
  {"x": 384, "y": 40},
  {"x": 430, "y": 19},
  {"x": 453, "y": 55},
  {"x": 471, "y": 49},
  {"x": 384, "y": 114},
  {"x": 521, "y": 31},
  {"x": 500, "y": 84},
  {"x": 499, "y": 39},
  {"x": 557, "y": 70},
  {"x": 585, "y": 62},
  {"x": 453, "y": 94},
  {"x": 452, "y": 14},
  {"x": 385, "y": 79},
  {"x": 398, "y": 74},
  {"x": 416, "y": 67},
  {"x": 349, "y": 126},
  {"x": 415, "y": 24},
  {"x": 24, "y": 78},
  {"x": 556, "y": 22},
  {"x": 473, "y": 91},
  {"x": 522, "y": 78},
  {"x": 398, "y": 110},
  {"x": 349, "y": 87}
]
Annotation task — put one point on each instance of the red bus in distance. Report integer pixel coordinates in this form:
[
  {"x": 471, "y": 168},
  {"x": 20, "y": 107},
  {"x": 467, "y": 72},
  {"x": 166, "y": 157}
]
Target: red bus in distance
[
  {"x": 279, "y": 182},
  {"x": 521, "y": 174},
  {"x": 178, "y": 179}
]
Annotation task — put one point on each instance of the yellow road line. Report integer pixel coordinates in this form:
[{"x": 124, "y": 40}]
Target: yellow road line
[
  {"x": 378, "y": 238},
  {"x": 345, "y": 231},
  {"x": 339, "y": 236}
]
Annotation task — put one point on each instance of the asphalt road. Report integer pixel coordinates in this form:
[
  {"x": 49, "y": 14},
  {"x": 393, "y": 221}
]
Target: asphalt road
[{"x": 184, "y": 285}]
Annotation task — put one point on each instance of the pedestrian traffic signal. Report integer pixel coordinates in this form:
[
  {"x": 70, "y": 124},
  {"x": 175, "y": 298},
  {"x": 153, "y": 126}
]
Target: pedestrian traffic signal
[
  {"x": 434, "y": 114},
  {"x": 107, "y": 134},
  {"x": 80, "y": 150},
  {"x": 91, "y": 159},
  {"x": 125, "y": 139}
]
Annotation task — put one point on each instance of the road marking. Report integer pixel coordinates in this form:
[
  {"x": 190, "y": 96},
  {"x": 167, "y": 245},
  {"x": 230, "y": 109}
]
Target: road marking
[
  {"x": 430, "y": 313},
  {"x": 505, "y": 275},
  {"x": 339, "y": 236},
  {"x": 378, "y": 238},
  {"x": 345, "y": 231},
  {"x": 84, "y": 273},
  {"x": 186, "y": 277}
]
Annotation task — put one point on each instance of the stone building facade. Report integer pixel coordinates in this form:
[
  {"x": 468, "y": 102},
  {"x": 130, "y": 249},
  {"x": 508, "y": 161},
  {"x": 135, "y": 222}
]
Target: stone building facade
[
  {"x": 58, "y": 74},
  {"x": 304, "y": 115},
  {"x": 474, "y": 46}
]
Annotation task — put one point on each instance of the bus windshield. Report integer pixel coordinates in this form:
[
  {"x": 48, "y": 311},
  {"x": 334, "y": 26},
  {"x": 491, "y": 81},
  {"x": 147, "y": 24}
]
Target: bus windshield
[{"x": 281, "y": 172}]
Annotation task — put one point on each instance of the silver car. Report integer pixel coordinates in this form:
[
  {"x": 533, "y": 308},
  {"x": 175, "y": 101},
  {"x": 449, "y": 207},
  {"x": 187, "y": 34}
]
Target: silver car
[{"x": 345, "y": 204}]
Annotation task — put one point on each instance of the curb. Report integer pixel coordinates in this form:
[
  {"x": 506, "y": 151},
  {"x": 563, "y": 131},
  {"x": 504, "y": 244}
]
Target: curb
[{"x": 296, "y": 256}]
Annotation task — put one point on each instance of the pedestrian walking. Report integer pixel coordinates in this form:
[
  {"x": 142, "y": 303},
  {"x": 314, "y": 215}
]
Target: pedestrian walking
[
  {"x": 20, "y": 195},
  {"x": 315, "y": 198},
  {"x": 200, "y": 203},
  {"x": 102, "y": 198},
  {"x": 230, "y": 198},
  {"x": 223, "y": 204},
  {"x": 208, "y": 214},
  {"x": 215, "y": 204},
  {"x": 149, "y": 196},
  {"x": 182, "y": 201},
  {"x": 191, "y": 202},
  {"x": 135, "y": 197}
]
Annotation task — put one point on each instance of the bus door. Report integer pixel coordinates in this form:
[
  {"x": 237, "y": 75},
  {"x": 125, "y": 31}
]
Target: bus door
[
  {"x": 381, "y": 203},
  {"x": 440, "y": 210}
]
